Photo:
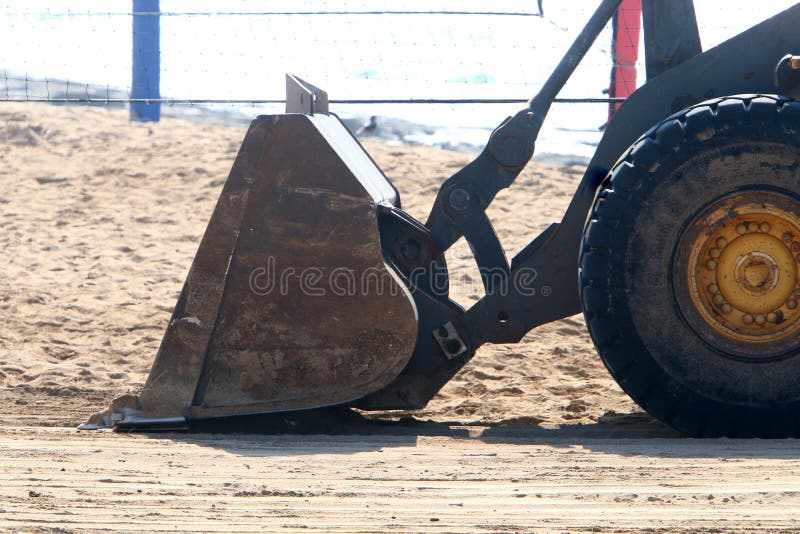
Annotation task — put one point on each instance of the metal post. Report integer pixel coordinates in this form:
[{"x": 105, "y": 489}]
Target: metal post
[
  {"x": 146, "y": 65},
  {"x": 626, "y": 23}
]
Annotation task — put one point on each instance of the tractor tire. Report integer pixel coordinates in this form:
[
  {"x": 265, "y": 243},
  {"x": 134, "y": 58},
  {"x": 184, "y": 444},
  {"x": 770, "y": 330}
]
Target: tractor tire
[{"x": 689, "y": 269}]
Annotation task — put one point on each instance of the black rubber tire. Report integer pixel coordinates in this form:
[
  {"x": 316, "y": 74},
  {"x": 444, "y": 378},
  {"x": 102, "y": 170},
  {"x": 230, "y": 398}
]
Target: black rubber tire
[{"x": 667, "y": 177}]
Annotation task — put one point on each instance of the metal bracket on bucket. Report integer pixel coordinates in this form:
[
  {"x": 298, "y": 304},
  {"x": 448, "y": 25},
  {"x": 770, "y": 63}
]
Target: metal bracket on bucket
[{"x": 302, "y": 97}]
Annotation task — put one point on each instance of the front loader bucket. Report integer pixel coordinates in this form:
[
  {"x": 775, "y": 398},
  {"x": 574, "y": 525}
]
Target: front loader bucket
[{"x": 288, "y": 304}]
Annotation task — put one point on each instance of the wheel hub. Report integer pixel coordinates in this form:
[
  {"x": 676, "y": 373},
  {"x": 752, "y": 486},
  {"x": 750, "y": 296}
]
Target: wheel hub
[
  {"x": 736, "y": 273},
  {"x": 757, "y": 273}
]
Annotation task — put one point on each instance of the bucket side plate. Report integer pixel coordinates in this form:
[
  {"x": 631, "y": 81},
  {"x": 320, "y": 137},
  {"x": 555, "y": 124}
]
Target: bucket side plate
[{"x": 288, "y": 304}]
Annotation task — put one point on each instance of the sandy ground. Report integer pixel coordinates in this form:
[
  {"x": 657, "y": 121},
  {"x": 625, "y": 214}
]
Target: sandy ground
[
  {"x": 58, "y": 478},
  {"x": 99, "y": 222}
]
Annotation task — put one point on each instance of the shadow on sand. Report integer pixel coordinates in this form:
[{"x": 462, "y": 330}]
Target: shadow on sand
[{"x": 344, "y": 431}]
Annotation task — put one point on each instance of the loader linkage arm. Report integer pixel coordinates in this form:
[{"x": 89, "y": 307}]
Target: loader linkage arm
[
  {"x": 448, "y": 336},
  {"x": 460, "y": 205},
  {"x": 461, "y": 202},
  {"x": 510, "y": 147}
]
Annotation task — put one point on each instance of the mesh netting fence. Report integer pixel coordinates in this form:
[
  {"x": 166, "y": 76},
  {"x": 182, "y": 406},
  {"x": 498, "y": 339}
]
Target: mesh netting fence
[{"x": 464, "y": 65}]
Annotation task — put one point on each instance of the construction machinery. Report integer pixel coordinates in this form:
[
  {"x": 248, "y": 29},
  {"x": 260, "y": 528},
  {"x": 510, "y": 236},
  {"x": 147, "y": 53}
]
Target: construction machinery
[{"x": 681, "y": 246}]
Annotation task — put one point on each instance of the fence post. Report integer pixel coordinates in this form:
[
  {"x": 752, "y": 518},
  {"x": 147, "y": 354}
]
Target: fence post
[
  {"x": 146, "y": 64},
  {"x": 626, "y": 23}
]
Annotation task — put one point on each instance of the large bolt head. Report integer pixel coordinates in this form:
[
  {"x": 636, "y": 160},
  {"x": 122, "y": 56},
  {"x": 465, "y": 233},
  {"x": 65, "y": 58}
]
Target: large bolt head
[
  {"x": 459, "y": 199},
  {"x": 410, "y": 249},
  {"x": 453, "y": 346}
]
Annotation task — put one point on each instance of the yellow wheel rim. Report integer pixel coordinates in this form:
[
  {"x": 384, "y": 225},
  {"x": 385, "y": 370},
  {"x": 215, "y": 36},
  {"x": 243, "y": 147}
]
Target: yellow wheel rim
[{"x": 739, "y": 262}]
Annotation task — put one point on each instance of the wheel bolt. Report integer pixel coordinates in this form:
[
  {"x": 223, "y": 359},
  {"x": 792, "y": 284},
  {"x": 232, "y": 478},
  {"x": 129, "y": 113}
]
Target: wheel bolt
[
  {"x": 722, "y": 242},
  {"x": 715, "y": 253},
  {"x": 772, "y": 317},
  {"x": 766, "y": 227},
  {"x": 726, "y": 308},
  {"x": 752, "y": 227},
  {"x": 719, "y": 300},
  {"x": 711, "y": 265},
  {"x": 760, "y": 319},
  {"x": 713, "y": 289},
  {"x": 748, "y": 319},
  {"x": 741, "y": 229}
]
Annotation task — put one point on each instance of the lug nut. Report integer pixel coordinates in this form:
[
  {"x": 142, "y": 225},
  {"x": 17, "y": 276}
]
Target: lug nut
[
  {"x": 741, "y": 229},
  {"x": 791, "y": 304},
  {"x": 711, "y": 265},
  {"x": 766, "y": 227},
  {"x": 719, "y": 300},
  {"x": 748, "y": 319},
  {"x": 787, "y": 237},
  {"x": 795, "y": 246},
  {"x": 713, "y": 289},
  {"x": 726, "y": 308},
  {"x": 772, "y": 317},
  {"x": 722, "y": 242},
  {"x": 752, "y": 227},
  {"x": 760, "y": 319},
  {"x": 715, "y": 253}
]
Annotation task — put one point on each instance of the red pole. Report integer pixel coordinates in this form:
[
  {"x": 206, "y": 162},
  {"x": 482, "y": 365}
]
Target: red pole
[{"x": 626, "y": 24}]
